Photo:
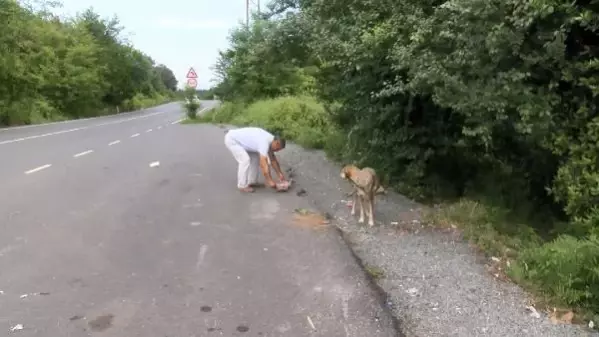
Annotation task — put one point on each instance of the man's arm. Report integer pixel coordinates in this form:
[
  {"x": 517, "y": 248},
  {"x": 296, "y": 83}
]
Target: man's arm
[
  {"x": 266, "y": 171},
  {"x": 276, "y": 166}
]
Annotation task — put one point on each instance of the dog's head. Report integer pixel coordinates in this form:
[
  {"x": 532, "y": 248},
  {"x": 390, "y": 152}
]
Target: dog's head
[{"x": 348, "y": 171}]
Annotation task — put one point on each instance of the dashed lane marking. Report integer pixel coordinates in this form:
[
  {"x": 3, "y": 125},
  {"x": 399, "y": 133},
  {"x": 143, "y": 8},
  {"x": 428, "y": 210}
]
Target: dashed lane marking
[
  {"x": 134, "y": 135},
  {"x": 37, "y": 169},
  {"x": 83, "y": 153},
  {"x": 114, "y": 143}
]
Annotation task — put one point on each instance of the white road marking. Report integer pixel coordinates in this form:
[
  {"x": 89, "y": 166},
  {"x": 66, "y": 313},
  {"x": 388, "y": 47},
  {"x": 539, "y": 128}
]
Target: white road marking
[
  {"x": 149, "y": 130},
  {"x": 155, "y": 164},
  {"x": 38, "y": 169},
  {"x": 197, "y": 204},
  {"x": 201, "y": 256},
  {"x": 6, "y": 250},
  {"x": 131, "y": 119},
  {"x": 40, "y": 136},
  {"x": 158, "y": 128},
  {"x": 195, "y": 223},
  {"x": 17, "y": 327},
  {"x": 135, "y": 135},
  {"x": 199, "y": 112},
  {"x": 83, "y": 153},
  {"x": 73, "y": 130},
  {"x": 114, "y": 143}
]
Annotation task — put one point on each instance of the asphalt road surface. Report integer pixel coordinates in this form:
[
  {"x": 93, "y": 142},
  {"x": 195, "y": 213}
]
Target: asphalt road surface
[{"x": 131, "y": 225}]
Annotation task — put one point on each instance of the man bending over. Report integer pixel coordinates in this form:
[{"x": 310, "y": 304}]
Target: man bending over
[{"x": 253, "y": 147}]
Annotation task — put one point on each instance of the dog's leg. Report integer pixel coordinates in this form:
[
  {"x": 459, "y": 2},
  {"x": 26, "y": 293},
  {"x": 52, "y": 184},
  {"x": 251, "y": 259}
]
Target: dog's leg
[
  {"x": 361, "y": 219},
  {"x": 354, "y": 202},
  {"x": 371, "y": 211}
]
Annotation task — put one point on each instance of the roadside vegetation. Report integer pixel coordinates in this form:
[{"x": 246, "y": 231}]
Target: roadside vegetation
[
  {"x": 54, "y": 68},
  {"x": 485, "y": 108},
  {"x": 191, "y": 103}
]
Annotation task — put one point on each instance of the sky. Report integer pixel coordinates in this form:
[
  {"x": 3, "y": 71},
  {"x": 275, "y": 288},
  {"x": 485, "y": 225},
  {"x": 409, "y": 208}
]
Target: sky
[{"x": 178, "y": 33}]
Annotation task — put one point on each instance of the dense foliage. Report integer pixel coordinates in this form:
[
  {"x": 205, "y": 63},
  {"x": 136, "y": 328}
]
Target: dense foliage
[
  {"x": 490, "y": 100},
  {"x": 53, "y": 69}
]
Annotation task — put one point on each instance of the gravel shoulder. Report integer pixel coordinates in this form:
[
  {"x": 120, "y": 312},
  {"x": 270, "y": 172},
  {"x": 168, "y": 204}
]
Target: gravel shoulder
[{"x": 436, "y": 284}]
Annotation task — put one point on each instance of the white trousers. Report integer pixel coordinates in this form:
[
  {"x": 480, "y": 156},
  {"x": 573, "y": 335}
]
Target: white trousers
[{"x": 249, "y": 162}]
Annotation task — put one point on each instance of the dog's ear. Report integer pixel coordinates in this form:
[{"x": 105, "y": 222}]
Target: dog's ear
[{"x": 343, "y": 172}]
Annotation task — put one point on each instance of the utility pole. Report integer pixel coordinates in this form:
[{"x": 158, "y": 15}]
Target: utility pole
[
  {"x": 248, "y": 4},
  {"x": 247, "y": 13}
]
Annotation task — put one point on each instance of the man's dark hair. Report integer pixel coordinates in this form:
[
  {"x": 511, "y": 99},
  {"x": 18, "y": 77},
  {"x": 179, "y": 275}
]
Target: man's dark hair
[{"x": 281, "y": 141}]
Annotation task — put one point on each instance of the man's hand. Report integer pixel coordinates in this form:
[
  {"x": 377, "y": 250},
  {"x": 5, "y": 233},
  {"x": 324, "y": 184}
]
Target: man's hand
[
  {"x": 277, "y": 167},
  {"x": 266, "y": 172},
  {"x": 270, "y": 183}
]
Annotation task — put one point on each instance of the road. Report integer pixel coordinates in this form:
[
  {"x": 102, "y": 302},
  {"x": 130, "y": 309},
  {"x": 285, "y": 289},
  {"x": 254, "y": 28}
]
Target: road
[{"x": 131, "y": 225}]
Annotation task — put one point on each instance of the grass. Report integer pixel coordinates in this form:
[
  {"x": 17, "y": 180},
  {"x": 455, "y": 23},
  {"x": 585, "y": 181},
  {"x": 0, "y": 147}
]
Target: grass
[
  {"x": 561, "y": 270},
  {"x": 491, "y": 228}
]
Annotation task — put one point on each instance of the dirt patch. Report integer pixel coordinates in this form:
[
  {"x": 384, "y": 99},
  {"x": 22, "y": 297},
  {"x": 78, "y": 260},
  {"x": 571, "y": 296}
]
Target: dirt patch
[
  {"x": 308, "y": 219},
  {"x": 101, "y": 323}
]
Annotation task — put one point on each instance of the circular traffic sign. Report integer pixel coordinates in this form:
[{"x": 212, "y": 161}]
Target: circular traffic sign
[{"x": 192, "y": 82}]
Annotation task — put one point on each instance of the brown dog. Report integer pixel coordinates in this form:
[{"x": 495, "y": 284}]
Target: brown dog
[{"x": 366, "y": 185}]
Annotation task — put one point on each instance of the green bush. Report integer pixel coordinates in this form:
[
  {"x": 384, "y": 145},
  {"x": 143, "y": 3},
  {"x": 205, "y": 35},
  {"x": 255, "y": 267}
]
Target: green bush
[
  {"x": 225, "y": 113},
  {"x": 301, "y": 119},
  {"x": 191, "y": 108},
  {"x": 566, "y": 269},
  {"x": 29, "y": 111}
]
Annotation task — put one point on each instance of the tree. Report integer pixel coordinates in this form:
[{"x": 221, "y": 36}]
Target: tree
[
  {"x": 167, "y": 77},
  {"x": 52, "y": 68}
]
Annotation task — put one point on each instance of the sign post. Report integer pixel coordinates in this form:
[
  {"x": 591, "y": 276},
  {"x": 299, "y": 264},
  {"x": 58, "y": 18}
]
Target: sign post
[{"x": 192, "y": 78}]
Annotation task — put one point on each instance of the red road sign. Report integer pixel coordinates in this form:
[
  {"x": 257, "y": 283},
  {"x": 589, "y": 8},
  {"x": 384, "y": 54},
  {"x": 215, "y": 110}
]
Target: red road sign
[
  {"x": 191, "y": 73},
  {"x": 192, "y": 82}
]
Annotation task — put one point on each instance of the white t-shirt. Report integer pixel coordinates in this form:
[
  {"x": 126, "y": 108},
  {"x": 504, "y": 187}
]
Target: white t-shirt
[{"x": 253, "y": 139}]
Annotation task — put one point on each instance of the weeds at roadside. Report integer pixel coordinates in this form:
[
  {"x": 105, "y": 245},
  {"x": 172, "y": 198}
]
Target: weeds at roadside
[{"x": 375, "y": 272}]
